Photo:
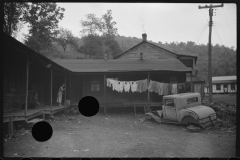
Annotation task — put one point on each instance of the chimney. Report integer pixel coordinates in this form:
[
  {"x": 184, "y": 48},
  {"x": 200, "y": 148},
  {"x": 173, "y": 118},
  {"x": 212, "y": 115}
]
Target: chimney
[
  {"x": 105, "y": 56},
  {"x": 144, "y": 37},
  {"x": 141, "y": 56}
]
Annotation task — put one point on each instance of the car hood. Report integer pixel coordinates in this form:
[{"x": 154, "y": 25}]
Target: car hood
[{"x": 201, "y": 111}]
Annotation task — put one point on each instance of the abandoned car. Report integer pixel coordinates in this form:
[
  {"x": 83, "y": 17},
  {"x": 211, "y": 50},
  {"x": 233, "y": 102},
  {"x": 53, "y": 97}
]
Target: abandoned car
[{"x": 186, "y": 109}]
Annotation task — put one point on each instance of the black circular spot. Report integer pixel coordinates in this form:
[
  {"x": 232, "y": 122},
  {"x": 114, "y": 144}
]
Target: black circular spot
[
  {"x": 88, "y": 106},
  {"x": 42, "y": 131},
  {"x": 26, "y": 158},
  {"x": 56, "y": 159}
]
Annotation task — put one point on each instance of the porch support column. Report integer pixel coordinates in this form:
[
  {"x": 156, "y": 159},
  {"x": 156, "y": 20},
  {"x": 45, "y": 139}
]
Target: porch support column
[
  {"x": 27, "y": 76},
  {"x": 65, "y": 90},
  {"x": 191, "y": 83},
  {"x": 104, "y": 89},
  {"x": 148, "y": 90},
  {"x": 51, "y": 88},
  {"x": 70, "y": 86},
  {"x": 148, "y": 106}
]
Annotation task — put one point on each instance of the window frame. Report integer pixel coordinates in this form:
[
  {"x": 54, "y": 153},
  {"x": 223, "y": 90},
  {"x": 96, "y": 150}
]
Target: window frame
[
  {"x": 218, "y": 87},
  {"x": 95, "y": 86},
  {"x": 170, "y": 106},
  {"x": 196, "y": 100}
]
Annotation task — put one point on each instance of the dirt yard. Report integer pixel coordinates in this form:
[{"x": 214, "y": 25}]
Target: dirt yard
[{"x": 121, "y": 135}]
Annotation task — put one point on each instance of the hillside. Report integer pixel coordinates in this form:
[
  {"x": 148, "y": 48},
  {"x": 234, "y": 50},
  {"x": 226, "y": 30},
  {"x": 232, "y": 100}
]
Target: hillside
[{"x": 223, "y": 58}]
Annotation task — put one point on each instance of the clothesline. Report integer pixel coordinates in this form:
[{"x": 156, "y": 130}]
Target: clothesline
[{"x": 143, "y": 85}]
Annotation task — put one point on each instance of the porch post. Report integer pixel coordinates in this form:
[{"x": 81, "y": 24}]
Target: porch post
[
  {"x": 51, "y": 88},
  {"x": 70, "y": 86},
  {"x": 27, "y": 76},
  {"x": 104, "y": 89},
  {"x": 148, "y": 90},
  {"x": 65, "y": 90},
  {"x": 191, "y": 83}
]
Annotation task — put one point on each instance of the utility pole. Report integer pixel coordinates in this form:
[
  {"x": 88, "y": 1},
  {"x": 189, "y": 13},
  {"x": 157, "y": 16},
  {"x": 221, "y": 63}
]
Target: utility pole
[{"x": 209, "y": 47}]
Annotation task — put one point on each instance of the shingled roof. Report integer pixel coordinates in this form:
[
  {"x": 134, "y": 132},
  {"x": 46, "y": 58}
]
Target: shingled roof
[{"x": 123, "y": 65}]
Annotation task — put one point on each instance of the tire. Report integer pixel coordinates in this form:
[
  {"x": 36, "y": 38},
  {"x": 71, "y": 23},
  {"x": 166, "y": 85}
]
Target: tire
[{"x": 188, "y": 120}]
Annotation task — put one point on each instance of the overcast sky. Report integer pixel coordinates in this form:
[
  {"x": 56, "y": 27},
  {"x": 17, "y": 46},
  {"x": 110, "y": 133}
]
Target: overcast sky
[{"x": 165, "y": 22}]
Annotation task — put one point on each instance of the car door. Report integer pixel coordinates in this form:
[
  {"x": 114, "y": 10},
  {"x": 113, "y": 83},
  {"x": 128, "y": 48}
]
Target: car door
[{"x": 170, "y": 109}]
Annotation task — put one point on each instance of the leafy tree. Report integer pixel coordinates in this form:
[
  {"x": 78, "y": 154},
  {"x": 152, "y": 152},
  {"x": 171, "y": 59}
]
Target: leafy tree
[
  {"x": 65, "y": 37},
  {"x": 91, "y": 25},
  {"x": 43, "y": 21},
  {"x": 93, "y": 46},
  {"x": 13, "y": 14},
  {"x": 108, "y": 25}
]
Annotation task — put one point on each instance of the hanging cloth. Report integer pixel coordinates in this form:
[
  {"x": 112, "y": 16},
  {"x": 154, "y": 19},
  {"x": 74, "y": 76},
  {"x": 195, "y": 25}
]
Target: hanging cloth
[
  {"x": 108, "y": 82},
  {"x": 126, "y": 86},
  {"x": 134, "y": 86},
  {"x": 174, "y": 88},
  {"x": 150, "y": 86},
  {"x": 120, "y": 86},
  {"x": 142, "y": 85}
]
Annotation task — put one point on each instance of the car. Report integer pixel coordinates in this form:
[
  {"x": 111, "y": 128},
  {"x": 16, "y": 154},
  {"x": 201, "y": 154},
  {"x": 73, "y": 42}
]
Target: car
[{"x": 187, "y": 109}]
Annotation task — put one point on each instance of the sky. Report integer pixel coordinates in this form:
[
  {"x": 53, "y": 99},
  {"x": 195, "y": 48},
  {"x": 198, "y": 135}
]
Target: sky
[{"x": 165, "y": 22}]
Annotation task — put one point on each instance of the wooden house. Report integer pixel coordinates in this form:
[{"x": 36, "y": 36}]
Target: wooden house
[
  {"x": 26, "y": 72},
  {"x": 223, "y": 84}
]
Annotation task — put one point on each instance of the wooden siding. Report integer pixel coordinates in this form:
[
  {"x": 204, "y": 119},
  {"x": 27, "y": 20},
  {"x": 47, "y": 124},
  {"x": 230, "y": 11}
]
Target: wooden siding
[
  {"x": 126, "y": 97},
  {"x": 149, "y": 52}
]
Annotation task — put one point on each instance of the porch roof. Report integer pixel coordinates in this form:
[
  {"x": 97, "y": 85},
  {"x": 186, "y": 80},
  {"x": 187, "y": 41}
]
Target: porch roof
[{"x": 123, "y": 65}]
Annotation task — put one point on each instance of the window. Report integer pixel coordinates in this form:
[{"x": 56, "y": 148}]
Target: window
[
  {"x": 95, "y": 86},
  {"x": 169, "y": 102},
  {"x": 225, "y": 86},
  {"x": 218, "y": 87},
  {"x": 232, "y": 86},
  {"x": 192, "y": 100}
]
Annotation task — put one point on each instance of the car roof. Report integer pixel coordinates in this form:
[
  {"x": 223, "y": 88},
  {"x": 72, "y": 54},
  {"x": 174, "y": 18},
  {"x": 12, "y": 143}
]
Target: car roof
[{"x": 182, "y": 95}]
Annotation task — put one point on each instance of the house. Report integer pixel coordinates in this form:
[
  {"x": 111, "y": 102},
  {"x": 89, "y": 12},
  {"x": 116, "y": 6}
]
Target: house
[
  {"x": 223, "y": 84},
  {"x": 149, "y": 50},
  {"x": 27, "y": 72}
]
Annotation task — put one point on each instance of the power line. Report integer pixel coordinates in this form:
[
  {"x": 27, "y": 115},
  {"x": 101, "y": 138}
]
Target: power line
[
  {"x": 201, "y": 32},
  {"x": 189, "y": 33},
  {"x": 218, "y": 34}
]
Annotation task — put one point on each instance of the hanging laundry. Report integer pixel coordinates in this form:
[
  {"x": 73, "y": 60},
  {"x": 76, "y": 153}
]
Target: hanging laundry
[
  {"x": 169, "y": 88},
  {"x": 160, "y": 88},
  {"x": 126, "y": 86},
  {"x": 108, "y": 82},
  {"x": 134, "y": 86},
  {"x": 174, "y": 88},
  {"x": 115, "y": 85},
  {"x": 142, "y": 85},
  {"x": 120, "y": 86},
  {"x": 165, "y": 88},
  {"x": 150, "y": 86}
]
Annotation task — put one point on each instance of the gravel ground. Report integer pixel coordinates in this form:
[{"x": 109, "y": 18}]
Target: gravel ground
[{"x": 121, "y": 135}]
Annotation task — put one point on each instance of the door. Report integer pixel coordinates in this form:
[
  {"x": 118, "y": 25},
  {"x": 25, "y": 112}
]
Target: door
[{"x": 170, "y": 110}]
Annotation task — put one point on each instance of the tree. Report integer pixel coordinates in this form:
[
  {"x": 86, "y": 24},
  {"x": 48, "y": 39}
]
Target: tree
[
  {"x": 93, "y": 46},
  {"x": 108, "y": 25},
  {"x": 43, "y": 21},
  {"x": 91, "y": 25},
  {"x": 65, "y": 37},
  {"x": 13, "y": 14}
]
